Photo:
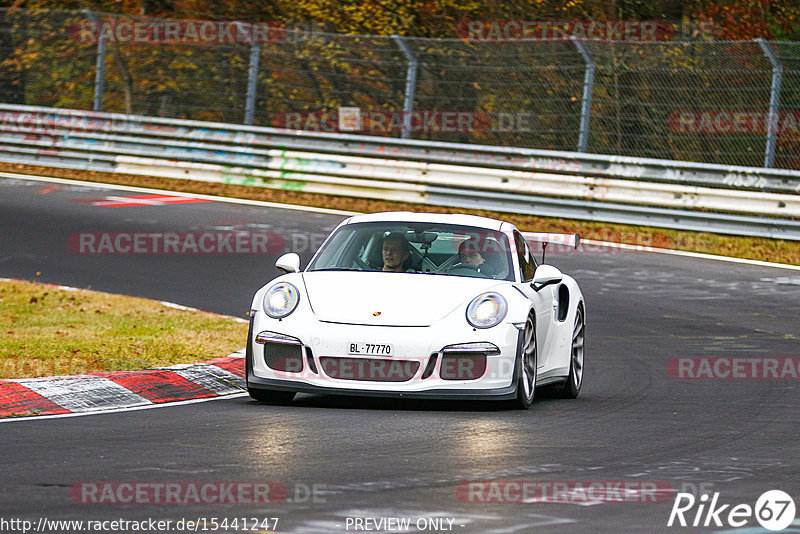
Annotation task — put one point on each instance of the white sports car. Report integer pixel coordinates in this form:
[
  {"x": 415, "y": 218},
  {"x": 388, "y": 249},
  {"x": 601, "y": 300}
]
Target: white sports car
[{"x": 418, "y": 305}]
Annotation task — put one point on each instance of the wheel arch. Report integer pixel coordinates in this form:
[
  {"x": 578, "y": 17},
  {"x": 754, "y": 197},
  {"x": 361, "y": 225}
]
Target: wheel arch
[
  {"x": 576, "y": 299},
  {"x": 519, "y": 306}
]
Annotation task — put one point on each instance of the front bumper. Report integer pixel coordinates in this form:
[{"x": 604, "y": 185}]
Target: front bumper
[
  {"x": 419, "y": 368},
  {"x": 505, "y": 393}
]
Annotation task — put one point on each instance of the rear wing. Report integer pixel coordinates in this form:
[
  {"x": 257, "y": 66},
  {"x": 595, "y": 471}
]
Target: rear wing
[{"x": 562, "y": 241}]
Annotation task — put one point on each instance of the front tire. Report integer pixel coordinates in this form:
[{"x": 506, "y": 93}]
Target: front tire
[{"x": 527, "y": 361}]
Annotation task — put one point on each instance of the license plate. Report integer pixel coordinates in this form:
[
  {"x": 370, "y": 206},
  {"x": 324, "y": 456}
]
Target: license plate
[{"x": 375, "y": 349}]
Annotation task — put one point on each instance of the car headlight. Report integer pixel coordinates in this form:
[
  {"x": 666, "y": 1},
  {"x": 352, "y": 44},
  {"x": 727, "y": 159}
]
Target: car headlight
[
  {"x": 487, "y": 310},
  {"x": 280, "y": 300}
]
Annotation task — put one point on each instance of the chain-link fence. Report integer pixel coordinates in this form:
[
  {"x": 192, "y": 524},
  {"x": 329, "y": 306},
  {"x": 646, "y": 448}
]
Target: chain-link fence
[{"x": 722, "y": 102}]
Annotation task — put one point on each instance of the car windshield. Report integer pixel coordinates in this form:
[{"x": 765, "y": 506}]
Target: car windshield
[{"x": 423, "y": 248}]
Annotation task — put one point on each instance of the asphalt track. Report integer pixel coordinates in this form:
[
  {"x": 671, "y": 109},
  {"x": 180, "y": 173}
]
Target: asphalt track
[{"x": 343, "y": 459}]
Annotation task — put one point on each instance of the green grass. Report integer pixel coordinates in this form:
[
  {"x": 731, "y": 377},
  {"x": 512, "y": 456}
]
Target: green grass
[{"x": 49, "y": 332}]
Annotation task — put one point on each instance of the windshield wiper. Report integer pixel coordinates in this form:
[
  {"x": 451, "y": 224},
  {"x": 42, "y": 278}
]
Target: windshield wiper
[{"x": 337, "y": 269}]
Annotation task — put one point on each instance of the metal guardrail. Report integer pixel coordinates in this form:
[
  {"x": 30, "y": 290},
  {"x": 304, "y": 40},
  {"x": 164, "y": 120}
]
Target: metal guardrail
[{"x": 693, "y": 196}]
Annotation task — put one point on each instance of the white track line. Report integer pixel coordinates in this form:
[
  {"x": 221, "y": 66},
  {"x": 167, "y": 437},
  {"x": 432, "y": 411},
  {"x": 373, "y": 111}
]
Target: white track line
[
  {"x": 119, "y": 410},
  {"x": 730, "y": 259}
]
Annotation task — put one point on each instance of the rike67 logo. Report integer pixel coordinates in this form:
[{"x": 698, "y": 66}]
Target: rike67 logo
[{"x": 774, "y": 510}]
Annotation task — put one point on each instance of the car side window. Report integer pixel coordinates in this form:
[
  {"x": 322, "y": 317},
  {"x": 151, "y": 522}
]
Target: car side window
[{"x": 527, "y": 263}]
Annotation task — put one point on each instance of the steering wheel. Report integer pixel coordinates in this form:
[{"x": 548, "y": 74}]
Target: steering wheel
[
  {"x": 364, "y": 265},
  {"x": 466, "y": 269}
]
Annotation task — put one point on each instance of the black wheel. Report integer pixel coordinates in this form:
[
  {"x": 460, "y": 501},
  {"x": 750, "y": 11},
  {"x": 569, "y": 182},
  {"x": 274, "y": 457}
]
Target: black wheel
[
  {"x": 271, "y": 396},
  {"x": 572, "y": 387},
  {"x": 526, "y": 382}
]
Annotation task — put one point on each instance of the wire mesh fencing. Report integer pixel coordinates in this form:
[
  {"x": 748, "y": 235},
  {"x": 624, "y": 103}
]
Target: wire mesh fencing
[{"x": 724, "y": 102}]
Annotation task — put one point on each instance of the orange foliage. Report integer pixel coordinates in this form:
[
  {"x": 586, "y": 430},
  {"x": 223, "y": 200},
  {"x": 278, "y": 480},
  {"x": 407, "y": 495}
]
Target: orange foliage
[{"x": 751, "y": 19}]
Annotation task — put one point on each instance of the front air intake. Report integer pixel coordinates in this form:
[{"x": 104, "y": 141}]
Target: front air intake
[
  {"x": 462, "y": 366},
  {"x": 283, "y": 357}
]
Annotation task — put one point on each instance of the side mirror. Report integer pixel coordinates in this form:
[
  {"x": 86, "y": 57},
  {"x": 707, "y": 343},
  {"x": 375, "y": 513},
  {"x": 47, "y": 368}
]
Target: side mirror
[
  {"x": 289, "y": 263},
  {"x": 545, "y": 275}
]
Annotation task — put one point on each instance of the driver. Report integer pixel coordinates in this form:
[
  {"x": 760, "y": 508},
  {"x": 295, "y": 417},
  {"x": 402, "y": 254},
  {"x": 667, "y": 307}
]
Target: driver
[
  {"x": 395, "y": 252},
  {"x": 469, "y": 253}
]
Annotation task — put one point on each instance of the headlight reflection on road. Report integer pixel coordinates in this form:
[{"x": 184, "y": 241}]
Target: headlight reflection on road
[
  {"x": 475, "y": 439},
  {"x": 278, "y": 444}
]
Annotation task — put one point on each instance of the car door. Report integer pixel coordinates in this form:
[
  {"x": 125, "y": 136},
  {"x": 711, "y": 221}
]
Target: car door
[{"x": 545, "y": 301}]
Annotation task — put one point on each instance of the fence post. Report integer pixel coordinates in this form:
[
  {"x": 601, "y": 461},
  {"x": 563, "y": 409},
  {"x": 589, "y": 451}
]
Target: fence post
[
  {"x": 411, "y": 83},
  {"x": 252, "y": 81},
  {"x": 252, "y": 74},
  {"x": 586, "y": 99},
  {"x": 100, "y": 64},
  {"x": 774, "y": 103}
]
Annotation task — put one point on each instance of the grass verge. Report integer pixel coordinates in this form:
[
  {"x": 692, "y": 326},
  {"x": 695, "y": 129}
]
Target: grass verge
[
  {"x": 47, "y": 331},
  {"x": 773, "y": 250}
]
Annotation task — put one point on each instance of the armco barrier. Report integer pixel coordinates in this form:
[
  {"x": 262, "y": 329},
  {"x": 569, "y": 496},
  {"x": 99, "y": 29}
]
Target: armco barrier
[{"x": 722, "y": 199}]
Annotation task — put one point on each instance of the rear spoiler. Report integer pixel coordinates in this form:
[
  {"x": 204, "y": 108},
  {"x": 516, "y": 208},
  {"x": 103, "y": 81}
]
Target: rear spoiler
[{"x": 545, "y": 238}]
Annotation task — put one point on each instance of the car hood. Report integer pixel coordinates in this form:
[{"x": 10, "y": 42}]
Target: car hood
[{"x": 389, "y": 299}]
